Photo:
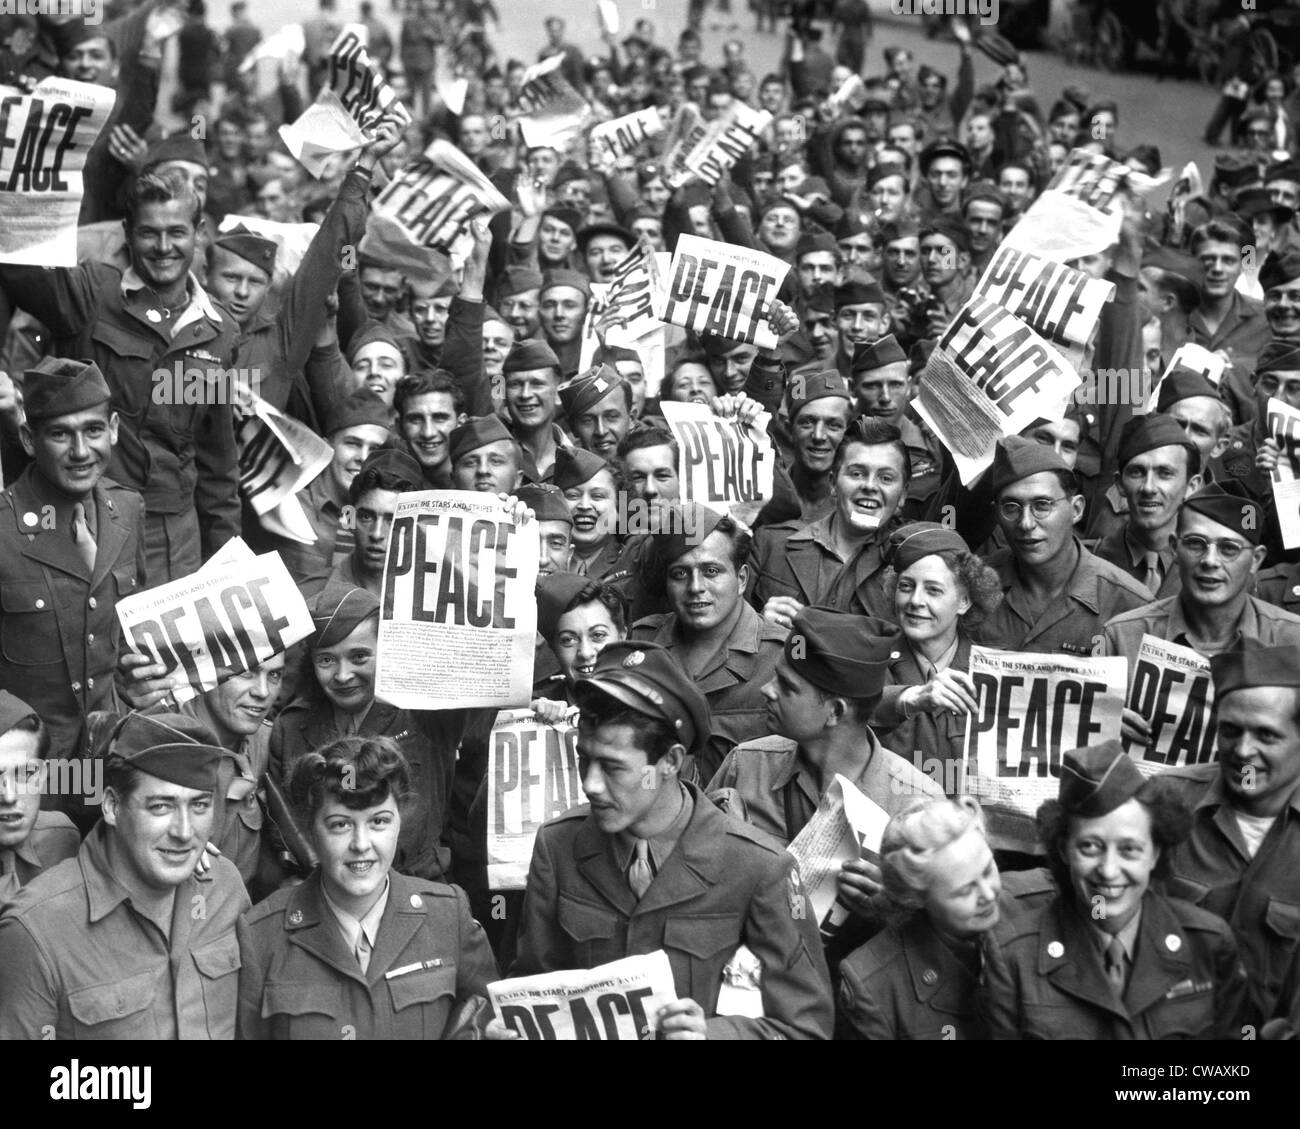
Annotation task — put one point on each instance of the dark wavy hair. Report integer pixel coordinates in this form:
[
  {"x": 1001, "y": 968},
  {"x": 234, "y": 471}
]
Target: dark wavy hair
[
  {"x": 359, "y": 772},
  {"x": 980, "y": 583},
  {"x": 1171, "y": 822},
  {"x": 598, "y": 592}
]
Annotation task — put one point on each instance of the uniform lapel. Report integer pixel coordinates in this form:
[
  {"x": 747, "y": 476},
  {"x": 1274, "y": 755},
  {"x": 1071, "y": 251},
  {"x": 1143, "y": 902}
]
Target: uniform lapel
[
  {"x": 47, "y": 543},
  {"x": 938, "y": 978},
  {"x": 312, "y": 927},
  {"x": 401, "y": 921},
  {"x": 1070, "y": 959},
  {"x": 692, "y": 867},
  {"x": 802, "y": 556},
  {"x": 1161, "y": 958},
  {"x": 593, "y": 851},
  {"x": 111, "y": 537}
]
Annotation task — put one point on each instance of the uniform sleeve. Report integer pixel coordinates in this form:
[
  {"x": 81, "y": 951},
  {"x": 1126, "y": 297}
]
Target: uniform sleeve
[
  {"x": 216, "y": 493},
  {"x": 858, "y": 1015},
  {"x": 997, "y": 1000},
  {"x": 462, "y": 355},
  {"x": 62, "y": 299},
  {"x": 796, "y": 986},
  {"x": 476, "y": 969},
  {"x": 29, "y": 1003},
  {"x": 249, "y": 1023},
  {"x": 1233, "y": 1007},
  {"x": 539, "y": 946}
]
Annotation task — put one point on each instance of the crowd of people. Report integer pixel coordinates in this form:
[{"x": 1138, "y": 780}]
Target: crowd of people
[{"x": 724, "y": 673}]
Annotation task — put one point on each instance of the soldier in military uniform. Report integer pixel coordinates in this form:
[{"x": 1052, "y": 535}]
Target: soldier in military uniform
[
  {"x": 651, "y": 864},
  {"x": 109, "y": 945},
  {"x": 725, "y": 646},
  {"x": 71, "y": 546},
  {"x": 1250, "y": 453}
]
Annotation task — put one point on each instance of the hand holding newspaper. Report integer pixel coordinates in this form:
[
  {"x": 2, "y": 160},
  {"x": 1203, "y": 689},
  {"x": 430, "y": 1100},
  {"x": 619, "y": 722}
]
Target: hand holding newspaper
[
  {"x": 1283, "y": 426},
  {"x": 723, "y": 464}
]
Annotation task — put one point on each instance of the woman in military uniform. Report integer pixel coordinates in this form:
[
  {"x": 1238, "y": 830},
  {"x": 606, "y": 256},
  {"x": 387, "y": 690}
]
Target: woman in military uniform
[
  {"x": 1108, "y": 958},
  {"x": 578, "y": 617},
  {"x": 942, "y": 894},
  {"x": 359, "y": 950}
]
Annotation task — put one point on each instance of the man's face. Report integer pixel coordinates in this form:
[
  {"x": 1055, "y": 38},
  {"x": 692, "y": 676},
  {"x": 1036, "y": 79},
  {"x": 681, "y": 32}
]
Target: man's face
[
  {"x": 819, "y": 328},
  {"x": 562, "y": 311},
  {"x": 1282, "y": 309},
  {"x": 1063, "y": 436},
  {"x": 237, "y": 284},
  {"x": 274, "y": 202},
  {"x": 780, "y": 229},
  {"x": 575, "y": 194},
  {"x": 430, "y": 317},
  {"x": 634, "y": 373},
  {"x": 884, "y": 392},
  {"x": 1285, "y": 192},
  {"x": 1284, "y": 386},
  {"x": 1266, "y": 232},
  {"x": 946, "y": 178},
  {"x": 555, "y": 547},
  {"x": 346, "y": 670},
  {"x": 818, "y": 429},
  {"x": 602, "y": 426},
  {"x": 1063, "y": 128},
  {"x": 903, "y": 261},
  {"x": 704, "y": 586},
  {"x": 555, "y": 240},
  {"x": 257, "y": 138},
  {"x": 497, "y": 339},
  {"x": 380, "y": 290},
  {"x": 870, "y": 485},
  {"x": 731, "y": 370},
  {"x": 604, "y": 253},
  {"x": 941, "y": 261},
  {"x": 1111, "y": 859},
  {"x": 1156, "y": 483},
  {"x": 692, "y": 383},
  {"x": 162, "y": 242},
  {"x": 1259, "y": 748},
  {"x": 1203, "y": 420},
  {"x": 532, "y": 397},
  {"x": 979, "y": 133},
  {"x": 861, "y": 324},
  {"x": 852, "y": 148},
  {"x": 652, "y": 474},
  {"x": 1033, "y": 540},
  {"x": 817, "y": 268},
  {"x": 230, "y": 141},
  {"x": 240, "y": 704},
  {"x": 72, "y": 452},
  {"x": 91, "y": 61},
  {"x": 770, "y": 96},
  {"x": 379, "y": 366},
  {"x": 375, "y": 510},
  {"x": 196, "y": 176},
  {"x": 522, "y": 312},
  {"x": 352, "y": 446},
  {"x": 543, "y": 164},
  {"x": 21, "y": 782},
  {"x": 1152, "y": 341},
  {"x": 160, "y": 830},
  {"x": 1094, "y": 266},
  {"x": 796, "y": 709},
  {"x": 1210, "y": 579},
  {"x": 427, "y": 422},
  {"x": 904, "y": 137},
  {"x": 625, "y": 791},
  {"x": 554, "y": 31},
  {"x": 931, "y": 87},
  {"x": 887, "y": 196},
  {"x": 858, "y": 251},
  {"x": 1221, "y": 263},
  {"x": 651, "y": 229},
  {"x": 491, "y": 469},
  {"x": 473, "y": 135},
  {"x": 984, "y": 218}
]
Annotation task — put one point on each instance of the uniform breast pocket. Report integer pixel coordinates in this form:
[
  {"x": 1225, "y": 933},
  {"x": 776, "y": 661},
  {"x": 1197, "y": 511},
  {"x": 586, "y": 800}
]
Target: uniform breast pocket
[
  {"x": 1057, "y": 1021},
  {"x": 1282, "y": 930},
  {"x": 592, "y": 932},
  {"x": 29, "y": 629},
  {"x": 1184, "y": 1017},
  {"x": 704, "y": 942},
  {"x": 305, "y": 1009},
  {"x": 121, "y": 1010},
  {"x": 421, "y": 1002},
  {"x": 218, "y": 964}
]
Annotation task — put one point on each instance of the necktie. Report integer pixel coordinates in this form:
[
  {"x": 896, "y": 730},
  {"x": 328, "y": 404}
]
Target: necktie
[
  {"x": 81, "y": 536},
  {"x": 639, "y": 874},
  {"x": 363, "y": 950},
  {"x": 1115, "y": 958},
  {"x": 1152, "y": 578}
]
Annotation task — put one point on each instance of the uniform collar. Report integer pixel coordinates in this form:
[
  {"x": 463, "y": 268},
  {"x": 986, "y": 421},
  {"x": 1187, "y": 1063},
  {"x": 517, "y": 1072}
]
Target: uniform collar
[
  {"x": 132, "y": 283},
  {"x": 104, "y": 892},
  {"x": 352, "y": 927},
  {"x": 661, "y": 845}
]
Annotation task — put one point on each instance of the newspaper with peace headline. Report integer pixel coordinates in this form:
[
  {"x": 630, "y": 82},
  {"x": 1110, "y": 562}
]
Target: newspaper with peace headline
[
  {"x": 457, "y": 598},
  {"x": 625, "y": 135},
  {"x": 229, "y": 617},
  {"x": 432, "y": 200},
  {"x": 727, "y": 139},
  {"x": 722, "y": 464},
  {"x": 554, "y": 114},
  {"x": 684, "y": 132},
  {"x": 619, "y": 1000},
  {"x": 44, "y": 139},
  {"x": 846, "y": 825},
  {"x": 1197, "y": 358},
  {"x": 1282, "y": 424},
  {"x": 1171, "y": 687},
  {"x": 1031, "y": 708},
  {"x": 723, "y": 290},
  {"x": 990, "y": 376},
  {"x": 278, "y": 456},
  {"x": 532, "y": 777}
]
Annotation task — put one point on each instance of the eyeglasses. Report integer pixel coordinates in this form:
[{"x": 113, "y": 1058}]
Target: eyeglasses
[
  {"x": 1199, "y": 546},
  {"x": 1040, "y": 509}
]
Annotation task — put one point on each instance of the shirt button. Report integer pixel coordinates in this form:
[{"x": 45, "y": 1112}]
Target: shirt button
[
  {"x": 417, "y": 901},
  {"x": 40, "y": 603},
  {"x": 92, "y": 602},
  {"x": 90, "y": 638},
  {"x": 90, "y": 683},
  {"x": 1056, "y": 950},
  {"x": 76, "y": 686}
]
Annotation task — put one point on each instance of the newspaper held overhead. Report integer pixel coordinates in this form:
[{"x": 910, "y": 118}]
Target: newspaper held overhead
[
  {"x": 554, "y": 114},
  {"x": 723, "y": 465},
  {"x": 278, "y": 456},
  {"x": 626, "y": 134},
  {"x": 433, "y": 199},
  {"x": 619, "y": 1000},
  {"x": 686, "y": 130},
  {"x": 727, "y": 140},
  {"x": 532, "y": 777},
  {"x": 227, "y": 618},
  {"x": 989, "y": 376},
  {"x": 1282, "y": 423},
  {"x": 359, "y": 81},
  {"x": 320, "y": 136},
  {"x": 1197, "y": 358},
  {"x": 44, "y": 139},
  {"x": 1172, "y": 688},
  {"x": 846, "y": 825},
  {"x": 1031, "y": 709},
  {"x": 720, "y": 289},
  {"x": 457, "y": 597}
]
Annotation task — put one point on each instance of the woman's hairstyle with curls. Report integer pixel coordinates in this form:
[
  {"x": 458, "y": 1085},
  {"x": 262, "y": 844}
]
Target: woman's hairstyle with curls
[
  {"x": 908, "y": 848},
  {"x": 359, "y": 772},
  {"x": 979, "y": 581}
]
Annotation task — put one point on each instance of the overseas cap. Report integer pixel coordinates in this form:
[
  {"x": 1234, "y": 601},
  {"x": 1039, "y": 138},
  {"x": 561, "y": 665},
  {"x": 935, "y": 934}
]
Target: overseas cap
[
  {"x": 554, "y": 594},
  {"x": 518, "y": 280},
  {"x": 945, "y": 147},
  {"x": 590, "y": 387},
  {"x": 647, "y": 678},
  {"x": 910, "y": 543},
  {"x": 476, "y": 432},
  {"x": 178, "y": 147},
  {"x": 885, "y": 351},
  {"x": 1278, "y": 356},
  {"x": 338, "y": 610},
  {"x": 170, "y": 746},
  {"x": 359, "y": 407},
  {"x": 12, "y": 711},
  {"x": 1017, "y": 458},
  {"x": 834, "y": 652},
  {"x": 1183, "y": 384},
  {"x": 688, "y": 524},
  {"x": 526, "y": 356},
  {"x": 397, "y": 463},
  {"x": 1231, "y": 506},
  {"x": 859, "y": 294},
  {"x": 1278, "y": 270},
  {"x": 1262, "y": 666},
  {"x": 368, "y": 336},
  {"x": 58, "y": 387},
  {"x": 247, "y": 245},
  {"x": 1146, "y": 433},
  {"x": 555, "y": 278},
  {"x": 817, "y": 386},
  {"x": 545, "y": 500},
  {"x": 1097, "y": 780},
  {"x": 574, "y": 466}
]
